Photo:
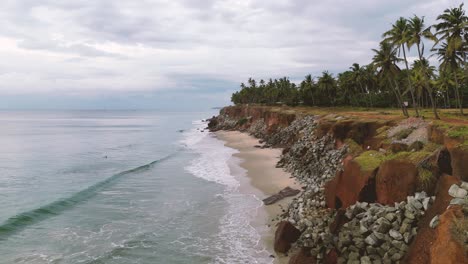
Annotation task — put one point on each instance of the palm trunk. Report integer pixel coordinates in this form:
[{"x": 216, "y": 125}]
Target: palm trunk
[
  {"x": 429, "y": 90},
  {"x": 396, "y": 90},
  {"x": 364, "y": 91},
  {"x": 409, "y": 82},
  {"x": 457, "y": 94}
]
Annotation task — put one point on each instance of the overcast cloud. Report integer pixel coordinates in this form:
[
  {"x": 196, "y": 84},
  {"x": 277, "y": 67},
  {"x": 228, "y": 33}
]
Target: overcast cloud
[{"x": 157, "y": 50}]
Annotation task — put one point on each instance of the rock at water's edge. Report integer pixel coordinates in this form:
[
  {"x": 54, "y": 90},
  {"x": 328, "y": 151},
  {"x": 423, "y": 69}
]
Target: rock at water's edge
[{"x": 285, "y": 235}]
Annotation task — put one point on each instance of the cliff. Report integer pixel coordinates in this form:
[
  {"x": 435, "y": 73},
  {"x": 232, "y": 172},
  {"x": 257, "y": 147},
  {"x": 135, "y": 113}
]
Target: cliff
[{"x": 379, "y": 188}]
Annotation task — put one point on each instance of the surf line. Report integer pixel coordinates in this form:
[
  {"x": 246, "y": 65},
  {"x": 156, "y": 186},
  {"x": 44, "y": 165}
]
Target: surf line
[{"x": 21, "y": 221}]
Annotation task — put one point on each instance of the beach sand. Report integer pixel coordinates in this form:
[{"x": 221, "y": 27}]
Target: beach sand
[{"x": 263, "y": 179}]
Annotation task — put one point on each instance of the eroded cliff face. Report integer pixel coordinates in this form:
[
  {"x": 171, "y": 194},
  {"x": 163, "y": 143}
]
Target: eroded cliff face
[{"x": 374, "y": 188}]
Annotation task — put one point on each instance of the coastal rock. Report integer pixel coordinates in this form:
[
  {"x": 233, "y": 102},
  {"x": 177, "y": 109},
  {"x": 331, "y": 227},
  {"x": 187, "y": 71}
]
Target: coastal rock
[
  {"x": 286, "y": 192},
  {"x": 303, "y": 257},
  {"x": 457, "y": 192},
  {"x": 285, "y": 235}
]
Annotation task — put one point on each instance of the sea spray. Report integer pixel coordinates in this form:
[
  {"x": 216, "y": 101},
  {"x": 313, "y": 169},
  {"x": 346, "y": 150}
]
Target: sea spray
[{"x": 237, "y": 241}]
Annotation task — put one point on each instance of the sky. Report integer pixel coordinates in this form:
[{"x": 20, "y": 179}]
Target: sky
[{"x": 180, "y": 54}]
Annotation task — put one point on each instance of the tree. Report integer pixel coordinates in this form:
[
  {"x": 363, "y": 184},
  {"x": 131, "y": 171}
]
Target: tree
[
  {"x": 399, "y": 36},
  {"x": 451, "y": 32},
  {"x": 385, "y": 60},
  {"x": 416, "y": 32},
  {"x": 327, "y": 85}
]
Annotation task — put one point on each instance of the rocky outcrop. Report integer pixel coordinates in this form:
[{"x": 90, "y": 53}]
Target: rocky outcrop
[
  {"x": 375, "y": 191},
  {"x": 286, "y": 192},
  {"x": 285, "y": 235}
]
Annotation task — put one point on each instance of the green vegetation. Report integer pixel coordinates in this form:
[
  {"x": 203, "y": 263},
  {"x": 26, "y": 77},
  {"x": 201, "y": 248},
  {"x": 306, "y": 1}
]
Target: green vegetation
[
  {"x": 369, "y": 160},
  {"x": 403, "y": 133},
  {"x": 242, "y": 121},
  {"x": 425, "y": 178},
  {"x": 354, "y": 148},
  {"x": 414, "y": 157},
  {"x": 458, "y": 132},
  {"x": 382, "y": 83}
]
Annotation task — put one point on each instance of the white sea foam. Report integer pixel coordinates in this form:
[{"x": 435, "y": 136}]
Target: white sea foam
[{"x": 237, "y": 241}]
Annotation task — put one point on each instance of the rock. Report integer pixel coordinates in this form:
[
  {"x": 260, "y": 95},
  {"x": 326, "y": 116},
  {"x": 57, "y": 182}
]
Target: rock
[
  {"x": 457, "y": 192},
  {"x": 286, "y": 192},
  {"x": 365, "y": 260},
  {"x": 353, "y": 256},
  {"x": 395, "y": 235},
  {"x": 464, "y": 185},
  {"x": 285, "y": 235},
  {"x": 458, "y": 201},
  {"x": 426, "y": 203},
  {"x": 302, "y": 257},
  {"x": 434, "y": 222},
  {"x": 371, "y": 240}
]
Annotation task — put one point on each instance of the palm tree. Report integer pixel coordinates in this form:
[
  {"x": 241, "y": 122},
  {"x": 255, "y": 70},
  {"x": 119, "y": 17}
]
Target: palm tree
[
  {"x": 450, "y": 31},
  {"x": 326, "y": 83},
  {"x": 398, "y": 36},
  {"x": 445, "y": 83},
  {"x": 358, "y": 76},
  {"x": 417, "y": 32},
  {"x": 385, "y": 60}
]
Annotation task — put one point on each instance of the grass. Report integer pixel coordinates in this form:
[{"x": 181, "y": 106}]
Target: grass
[
  {"x": 354, "y": 148},
  {"x": 425, "y": 178},
  {"x": 369, "y": 160},
  {"x": 403, "y": 133},
  {"x": 413, "y": 157}
]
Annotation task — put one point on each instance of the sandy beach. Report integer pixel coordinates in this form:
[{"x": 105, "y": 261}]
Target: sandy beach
[{"x": 263, "y": 179}]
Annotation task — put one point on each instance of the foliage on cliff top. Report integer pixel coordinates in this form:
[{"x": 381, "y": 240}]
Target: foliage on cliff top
[
  {"x": 369, "y": 160},
  {"x": 354, "y": 148},
  {"x": 414, "y": 157}
]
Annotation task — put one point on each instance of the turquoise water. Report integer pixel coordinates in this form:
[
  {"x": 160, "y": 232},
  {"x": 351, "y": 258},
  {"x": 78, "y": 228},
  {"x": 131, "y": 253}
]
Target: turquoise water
[{"x": 120, "y": 187}]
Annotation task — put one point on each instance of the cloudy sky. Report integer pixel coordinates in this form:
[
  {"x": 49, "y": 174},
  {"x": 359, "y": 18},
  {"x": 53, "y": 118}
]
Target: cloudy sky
[{"x": 190, "y": 53}]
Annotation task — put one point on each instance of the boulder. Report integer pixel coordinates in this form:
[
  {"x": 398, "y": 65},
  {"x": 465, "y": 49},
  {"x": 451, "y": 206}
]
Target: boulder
[
  {"x": 285, "y": 235},
  {"x": 286, "y": 192},
  {"x": 456, "y": 192},
  {"x": 303, "y": 257}
]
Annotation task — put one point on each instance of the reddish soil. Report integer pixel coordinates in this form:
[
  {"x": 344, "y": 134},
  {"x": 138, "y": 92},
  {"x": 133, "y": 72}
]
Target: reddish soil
[
  {"x": 395, "y": 181},
  {"x": 420, "y": 249},
  {"x": 345, "y": 189},
  {"x": 445, "y": 248}
]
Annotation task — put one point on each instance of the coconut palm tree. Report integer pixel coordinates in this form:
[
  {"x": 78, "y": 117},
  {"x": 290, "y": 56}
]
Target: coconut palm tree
[
  {"x": 451, "y": 32},
  {"x": 416, "y": 33},
  {"x": 398, "y": 36},
  {"x": 358, "y": 77},
  {"x": 385, "y": 60},
  {"x": 327, "y": 84}
]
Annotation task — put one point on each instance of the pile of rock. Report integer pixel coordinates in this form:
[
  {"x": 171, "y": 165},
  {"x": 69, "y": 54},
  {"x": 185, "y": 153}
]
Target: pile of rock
[
  {"x": 380, "y": 234},
  {"x": 258, "y": 129},
  {"x": 313, "y": 161},
  {"x": 285, "y": 136},
  {"x": 222, "y": 122}
]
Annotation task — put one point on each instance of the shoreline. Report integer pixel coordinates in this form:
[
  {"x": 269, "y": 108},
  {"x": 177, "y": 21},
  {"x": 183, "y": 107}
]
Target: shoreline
[{"x": 262, "y": 179}]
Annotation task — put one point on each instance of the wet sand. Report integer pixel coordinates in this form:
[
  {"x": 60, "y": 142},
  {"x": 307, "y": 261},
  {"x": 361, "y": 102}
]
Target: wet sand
[{"x": 261, "y": 178}]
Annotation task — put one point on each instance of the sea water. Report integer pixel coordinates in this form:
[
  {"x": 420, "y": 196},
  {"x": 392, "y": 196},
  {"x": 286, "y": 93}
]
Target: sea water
[{"x": 121, "y": 187}]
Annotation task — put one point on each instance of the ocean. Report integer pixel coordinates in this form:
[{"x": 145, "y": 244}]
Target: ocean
[{"x": 121, "y": 187}]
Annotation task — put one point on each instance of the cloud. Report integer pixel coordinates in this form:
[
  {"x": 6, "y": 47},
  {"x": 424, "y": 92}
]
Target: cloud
[{"x": 102, "y": 47}]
